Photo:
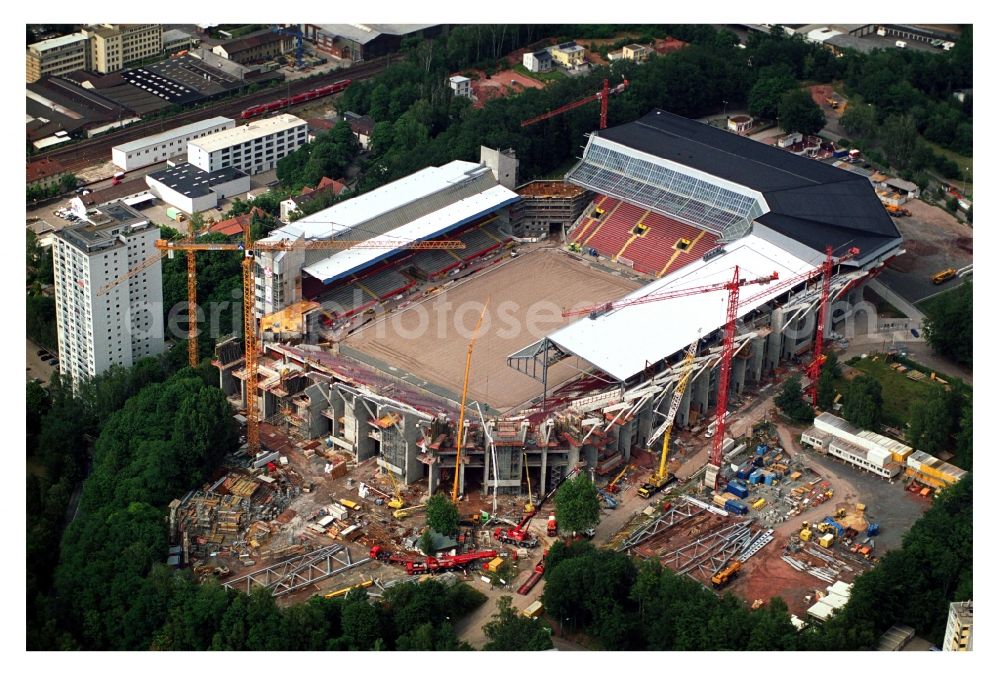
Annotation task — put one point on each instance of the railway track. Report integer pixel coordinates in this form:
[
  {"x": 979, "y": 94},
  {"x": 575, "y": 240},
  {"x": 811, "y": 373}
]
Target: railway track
[{"x": 88, "y": 152}]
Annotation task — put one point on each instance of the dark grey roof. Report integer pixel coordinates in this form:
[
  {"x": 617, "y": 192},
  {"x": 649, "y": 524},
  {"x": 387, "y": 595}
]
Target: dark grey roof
[
  {"x": 192, "y": 181},
  {"x": 809, "y": 201}
]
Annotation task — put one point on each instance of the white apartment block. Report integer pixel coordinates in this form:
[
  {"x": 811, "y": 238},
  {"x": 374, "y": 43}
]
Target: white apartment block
[
  {"x": 161, "y": 147},
  {"x": 958, "y": 634},
  {"x": 123, "y": 324},
  {"x": 56, "y": 56},
  {"x": 251, "y": 148}
]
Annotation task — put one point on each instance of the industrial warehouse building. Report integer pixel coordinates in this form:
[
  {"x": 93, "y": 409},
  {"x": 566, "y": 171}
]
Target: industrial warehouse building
[
  {"x": 161, "y": 147},
  {"x": 191, "y": 189},
  {"x": 99, "y": 324},
  {"x": 661, "y": 203},
  {"x": 251, "y": 148}
]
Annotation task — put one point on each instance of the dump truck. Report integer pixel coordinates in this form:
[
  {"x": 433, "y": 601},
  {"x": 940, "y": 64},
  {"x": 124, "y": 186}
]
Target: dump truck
[{"x": 724, "y": 575}]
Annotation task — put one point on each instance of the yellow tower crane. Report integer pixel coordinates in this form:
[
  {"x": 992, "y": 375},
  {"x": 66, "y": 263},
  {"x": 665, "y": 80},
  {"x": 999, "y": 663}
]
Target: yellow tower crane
[{"x": 465, "y": 393}]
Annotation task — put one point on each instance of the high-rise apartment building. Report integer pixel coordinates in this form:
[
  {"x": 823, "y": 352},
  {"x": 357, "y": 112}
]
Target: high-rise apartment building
[
  {"x": 125, "y": 322},
  {"x": 958, "y": 634}
]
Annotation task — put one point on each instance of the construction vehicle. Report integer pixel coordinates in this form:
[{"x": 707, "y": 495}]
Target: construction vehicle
[
  {"x": 601, "y": 96},
  {"x": 832, "y": 103},
  {"x": 432, "y": 564},
  {"x": 898, "y": 212},
  {"x": 724, "y": 575},
  {"x": 552, "y": 526},
  {"x": 613, "y": 486},
  {"x": 944, "y": 275},
  {"x": 407, "y": 511},
  {"x": 806, "y": 533},
  {"x": 533, "y": 611},
  {"x": 350, "y": 504},
  {"x": 378, "y": 553},
  {"x": 345, "y": 590},
  {"x": 397, "y": 501},
  {"x": 661, "y": 478},
  {"x": 516, "y": 535}
]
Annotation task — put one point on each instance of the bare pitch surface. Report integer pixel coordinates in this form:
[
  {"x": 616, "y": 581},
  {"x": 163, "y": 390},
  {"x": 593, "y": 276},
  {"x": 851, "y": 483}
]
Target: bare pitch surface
[{"x": 526, "y": 296}]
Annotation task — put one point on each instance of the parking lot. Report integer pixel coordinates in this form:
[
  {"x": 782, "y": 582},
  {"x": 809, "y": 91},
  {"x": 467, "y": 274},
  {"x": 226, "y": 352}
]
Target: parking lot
[{"x": 36, "y": 367}]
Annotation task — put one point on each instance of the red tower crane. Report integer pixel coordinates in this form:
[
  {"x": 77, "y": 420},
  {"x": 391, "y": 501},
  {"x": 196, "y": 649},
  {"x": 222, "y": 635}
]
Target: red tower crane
[
  {"x": 733, "y": 289},
  {"x": 601, "y": 96}
]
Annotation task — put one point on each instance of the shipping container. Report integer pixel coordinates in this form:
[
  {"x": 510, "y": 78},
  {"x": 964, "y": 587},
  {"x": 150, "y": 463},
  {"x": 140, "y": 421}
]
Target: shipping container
[
  {"x": 758, "y": 461},
  {"x": 737, "y": 488},
  {"x": 338, "y": 511},
  {"x": 759, "y": 504},
  {"x": 174, "y": 214},
  {"x": 756, "y": 476},
  {"x": 350, "y": 504},
  {"x": 494, "y": 565},
  {"x": 534, "y": 610},
  {"x": 720, "y": 500},
  {"x": 873, "y": 529},
  {"x": 736, "y": 507},
  {"x": 744, "y": 472},
  {"x": 826, "y": 540},
  {"x": 762, "y": 449},
  {"x": 879, "y": 457}
]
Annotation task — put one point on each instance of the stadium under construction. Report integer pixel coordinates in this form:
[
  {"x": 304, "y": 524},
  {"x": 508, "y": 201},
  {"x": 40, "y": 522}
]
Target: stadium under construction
[{"x": 363, "y": 350}]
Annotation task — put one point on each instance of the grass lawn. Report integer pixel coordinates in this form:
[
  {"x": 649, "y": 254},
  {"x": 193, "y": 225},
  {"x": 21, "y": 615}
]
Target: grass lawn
[
  {"x": 961, "y": 160},
  {"x": 898, "y": 391},
  {"x": 925, "y": 303},
  {"x": 551, "y": 76}
]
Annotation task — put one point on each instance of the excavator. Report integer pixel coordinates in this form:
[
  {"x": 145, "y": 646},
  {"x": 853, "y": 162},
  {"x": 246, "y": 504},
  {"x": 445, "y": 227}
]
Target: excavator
[
  {"x": 397, "y": 501},
  {"x": 613, "y": 486},
  {"x": 407, "y": 511}
]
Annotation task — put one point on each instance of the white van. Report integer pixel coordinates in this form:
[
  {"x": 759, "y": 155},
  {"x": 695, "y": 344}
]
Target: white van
[{"x": 901, "y": 43}]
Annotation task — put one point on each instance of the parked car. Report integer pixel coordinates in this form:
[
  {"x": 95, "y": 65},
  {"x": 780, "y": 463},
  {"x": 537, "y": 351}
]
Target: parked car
[
  {"x": 40, "y": 352},
  {"x": 53, "y": 362}
]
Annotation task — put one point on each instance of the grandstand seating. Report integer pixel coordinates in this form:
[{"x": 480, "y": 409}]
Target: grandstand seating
[
  {"x": 385, "y": 283},
  {"x": 436, "y": 262},
  {"x": 654, "y": 252},
  {"x": 345, "y": 299}
]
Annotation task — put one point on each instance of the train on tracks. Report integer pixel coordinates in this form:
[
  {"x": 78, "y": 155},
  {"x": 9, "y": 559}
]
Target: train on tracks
[{"x": 319, "y": 92}]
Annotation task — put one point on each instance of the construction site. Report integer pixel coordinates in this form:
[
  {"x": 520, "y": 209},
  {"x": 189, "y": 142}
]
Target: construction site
[{"x": 455, "y": 332}]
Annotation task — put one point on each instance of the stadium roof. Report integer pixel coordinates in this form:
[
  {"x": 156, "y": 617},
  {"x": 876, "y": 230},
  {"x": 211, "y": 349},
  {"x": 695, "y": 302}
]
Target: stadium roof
[
  {"x": 343, "y": 216},
  {"x": 808, "y": 201},
  {"x": 437, "y": 223},
  {"x": 623, "y": 342}
]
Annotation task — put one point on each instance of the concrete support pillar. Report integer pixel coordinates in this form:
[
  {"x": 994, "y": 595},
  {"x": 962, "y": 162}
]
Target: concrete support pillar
[
  {"x": 700, "y": 391},
  {"x": 739, "y": 373},
  {"x": 433, "y": 478},
  {"x": 774, "y": 340},
  {"x": 543, "y": 489},
  {"x": 683, "y": 411},
  {"x": 413, "y": 469},
  {"x": 644, "y": 419},
  {"x": 461, "y": 479},
  {"x": 756, "y": 362}
]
